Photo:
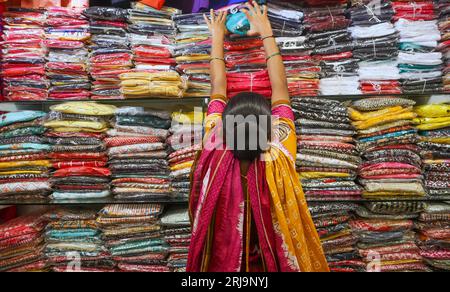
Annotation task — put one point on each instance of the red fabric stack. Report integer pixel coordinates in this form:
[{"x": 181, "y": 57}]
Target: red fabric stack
[
  {"x": 414, "y": 11},
  {"x": 21, "y": 244},
  {"x": 23, "y": 67},
  {"x": 303, "y": 75},
  {"x": 258, "y": 82},
  {"x": 66, "y": 37},
  {"x": 246, "y": 62},
  {"x": 381, "y": 87},
  {"x": 147, "y": 55}
]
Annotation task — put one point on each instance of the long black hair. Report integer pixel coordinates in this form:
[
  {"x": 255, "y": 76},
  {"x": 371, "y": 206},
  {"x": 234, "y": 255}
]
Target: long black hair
[{"x": 247, "y": 125}]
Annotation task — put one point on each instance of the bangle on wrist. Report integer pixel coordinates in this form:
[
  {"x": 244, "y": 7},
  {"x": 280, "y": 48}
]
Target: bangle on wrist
[
  {"x": 215, "y": 58},
  {"x": 267, "y": 37},
  {"x": 273, "y": 55}
]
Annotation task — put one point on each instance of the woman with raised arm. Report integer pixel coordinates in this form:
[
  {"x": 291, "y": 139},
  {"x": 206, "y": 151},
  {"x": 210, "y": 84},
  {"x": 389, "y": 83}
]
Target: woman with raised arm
[{"x": 247, "y": 206}]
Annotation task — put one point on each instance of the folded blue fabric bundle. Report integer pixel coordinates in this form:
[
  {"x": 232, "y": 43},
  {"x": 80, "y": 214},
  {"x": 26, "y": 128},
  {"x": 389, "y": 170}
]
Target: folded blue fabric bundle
[{"x": 20, "y": 116}]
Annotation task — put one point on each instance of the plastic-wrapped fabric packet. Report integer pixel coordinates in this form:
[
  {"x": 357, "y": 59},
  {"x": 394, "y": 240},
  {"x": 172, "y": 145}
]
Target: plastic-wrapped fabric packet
[
  {"x": 106, "y": 13},
  {"x": 76, "y": 131},
  {"x": 186, "y": 132},
  {"x": 137, "y": 152},
  {"x": 419, "y": 64},
  {"x": 134, "y": 248},
  {"x": 67, "y": 33},
  {"x": 330, "y": 44},
  {"x": 376, "y": 45},
  {"x": 338, "y": 239},
  {"x": 152, "y": 39},
  {"x": 156, "y": 84},
  {"x": 177, "y": 235},
  {"x": 24, "y": 54},
  {"x": 109, "y": 50},
  {"x": 74, "y": 230},
  {"x": 192, "y": 52},
  {"x": 433, "y": 122},
  {"x": 24, "y": 165}
]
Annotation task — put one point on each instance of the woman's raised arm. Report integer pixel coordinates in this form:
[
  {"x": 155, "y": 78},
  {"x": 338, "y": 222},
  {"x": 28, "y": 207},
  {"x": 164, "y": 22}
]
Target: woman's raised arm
[
  {"x": 260, "y": 25},
  {"x": 217, "y": 27}
]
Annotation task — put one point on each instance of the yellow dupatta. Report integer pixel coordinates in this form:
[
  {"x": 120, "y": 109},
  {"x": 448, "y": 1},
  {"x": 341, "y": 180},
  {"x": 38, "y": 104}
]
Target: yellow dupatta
[{"x": 290, "y": 213}]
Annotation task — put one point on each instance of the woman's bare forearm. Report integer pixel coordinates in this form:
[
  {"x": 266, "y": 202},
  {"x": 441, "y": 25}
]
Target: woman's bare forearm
[
  {"x": 218, "y": 73},
  {"x": 277, "y": 71},
  {"x": 217, "y": 67}
]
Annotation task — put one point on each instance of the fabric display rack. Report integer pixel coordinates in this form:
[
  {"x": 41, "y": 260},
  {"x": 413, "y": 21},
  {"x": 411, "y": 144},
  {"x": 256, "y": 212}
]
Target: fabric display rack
[{"x": 101, "y": 116}]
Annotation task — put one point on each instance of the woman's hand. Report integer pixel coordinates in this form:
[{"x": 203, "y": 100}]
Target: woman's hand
[
  {"x": 259, "y": 20},
  {"x": 216, "y": 23}
]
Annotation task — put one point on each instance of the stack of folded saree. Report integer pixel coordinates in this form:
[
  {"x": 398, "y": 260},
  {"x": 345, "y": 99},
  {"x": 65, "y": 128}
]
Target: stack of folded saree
[
  {"x": 181, "y": 162},
  {"x": 152, "y": 53},
  {"x": 132, "y": 234},
  {"x": 23, "y": 55},
  {"x": 420, "y": 65},
  {"x": 303, "y": 73},
  {"x": 302, "y": 70},
  {"x": 434, "y": 235},
  {"x": 192, "y": 53},
  {"x": 387, "y": 142},
  {"x": 177, "y": 234},
  {"x": 286, "y": 19},
  {"x": 110, "y": 54},
  {"x": 146, "y": 20},
  {"x": 365, "y": 13},
  {"x": 246, "y": 63},
  {"x": 21, "y": 244},
  {"x": 319, "y": 17},
  {"x": 433, "y": 123},
  {"x": 67, "y": 33},
  {"x": 137, "y": 154},
  {"x": 386, "y": 240},
  {"x": 24, "y": 160},
  {"x": 339, "y": 64},
  {"x": 185, "y": 140},
  {"x": 327, "y": 158},
  {"x": 338, "y": 241},
  {"x": 77, "y": 130},
  {"x": 73, "y": 242},
  {"x": 443, "y": 7},
  {"x": 151, "y": 37},
  {"x": 144, "y": 84},
  {"x": 376, "y": 46},
  {"x": 332, "y": 44}
]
